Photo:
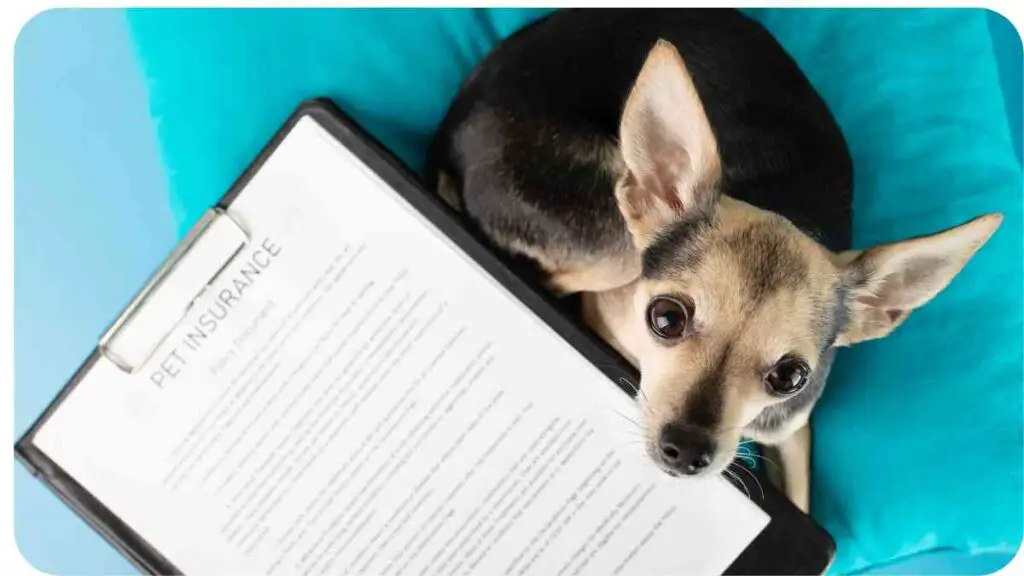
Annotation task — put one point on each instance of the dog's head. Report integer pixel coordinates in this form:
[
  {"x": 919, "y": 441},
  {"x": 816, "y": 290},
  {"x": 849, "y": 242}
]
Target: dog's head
[{"x": 739, "y": 309}]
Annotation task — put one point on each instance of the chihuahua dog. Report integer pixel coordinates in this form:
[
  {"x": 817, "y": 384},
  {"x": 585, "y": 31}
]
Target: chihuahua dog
[{"x": 677, "y": 170}]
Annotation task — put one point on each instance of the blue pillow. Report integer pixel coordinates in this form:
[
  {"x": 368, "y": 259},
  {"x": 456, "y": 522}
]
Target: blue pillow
[
  {"x": 918, "y": 441},
  {"x": 222, "y": 81}
]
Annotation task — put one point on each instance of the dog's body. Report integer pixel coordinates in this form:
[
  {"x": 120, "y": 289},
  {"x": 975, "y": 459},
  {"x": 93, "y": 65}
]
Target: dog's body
[{"x": 677, "y": 169}]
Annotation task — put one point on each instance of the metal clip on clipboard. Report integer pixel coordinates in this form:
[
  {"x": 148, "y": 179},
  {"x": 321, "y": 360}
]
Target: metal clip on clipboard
[{"x": 153, "y": 315}]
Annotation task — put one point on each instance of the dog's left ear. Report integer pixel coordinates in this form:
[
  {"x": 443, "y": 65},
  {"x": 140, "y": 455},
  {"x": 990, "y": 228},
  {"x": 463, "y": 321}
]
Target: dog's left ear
[
  {"x": 887, "y": 282},
  {"x": 668, "y": 147}
]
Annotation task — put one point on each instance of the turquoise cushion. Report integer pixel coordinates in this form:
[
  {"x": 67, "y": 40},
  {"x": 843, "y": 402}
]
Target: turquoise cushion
[
  {"x": 918, "y": 443},
  {"x": 222, "y": 81}
]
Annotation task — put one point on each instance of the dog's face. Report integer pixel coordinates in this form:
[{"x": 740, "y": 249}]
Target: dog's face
[{"x": 738, "y": 309}]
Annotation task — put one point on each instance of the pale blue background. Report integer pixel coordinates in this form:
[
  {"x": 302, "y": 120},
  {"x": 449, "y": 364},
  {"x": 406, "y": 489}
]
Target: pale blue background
[{"x": 91, "y": 222}]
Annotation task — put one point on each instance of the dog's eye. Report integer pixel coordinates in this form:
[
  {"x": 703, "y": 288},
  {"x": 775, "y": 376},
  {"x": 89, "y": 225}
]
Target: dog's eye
[
  {"x": 668, "y": 317},
  {"x": 787, "y": 377}
]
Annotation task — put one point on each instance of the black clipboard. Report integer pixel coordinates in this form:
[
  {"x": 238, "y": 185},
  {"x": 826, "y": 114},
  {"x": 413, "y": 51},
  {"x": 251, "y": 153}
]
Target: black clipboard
[{"x": 791, "y": 543}]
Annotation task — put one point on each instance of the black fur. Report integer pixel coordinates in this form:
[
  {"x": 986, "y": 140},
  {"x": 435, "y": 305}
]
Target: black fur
[
  {"x": 673, "y": 248},
  {"x": 558, "y": 86}
]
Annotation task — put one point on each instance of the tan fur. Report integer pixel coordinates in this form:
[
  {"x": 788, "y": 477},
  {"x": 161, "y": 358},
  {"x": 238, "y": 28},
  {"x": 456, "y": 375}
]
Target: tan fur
[
  {"x": 788, "y": 454},
  {"x": 609, "y": 275},
  {"x": 668, "y": 171},
  {"x": 448, "y": 191},
  {"x": 611, "y": 315},
  {"x": 794, "y": 458},
  {"x": 723, "y": 315},
  {"x": 906, "y": 275},
  {"x": 671, "y": 166},
  {"x": 758, "y": 335}
]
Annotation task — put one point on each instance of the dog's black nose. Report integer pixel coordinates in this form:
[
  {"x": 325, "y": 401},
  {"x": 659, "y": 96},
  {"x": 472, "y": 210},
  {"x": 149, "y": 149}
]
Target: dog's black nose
[{"x": 685, "y": 449}]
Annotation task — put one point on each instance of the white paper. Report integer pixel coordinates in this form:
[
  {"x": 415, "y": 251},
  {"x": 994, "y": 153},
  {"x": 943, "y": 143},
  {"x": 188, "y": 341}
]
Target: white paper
[{"x": 355, "y": 396}]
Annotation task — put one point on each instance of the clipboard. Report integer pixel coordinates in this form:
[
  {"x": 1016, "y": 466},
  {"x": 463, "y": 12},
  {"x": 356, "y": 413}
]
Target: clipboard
[{"x": 792, "y": 543}]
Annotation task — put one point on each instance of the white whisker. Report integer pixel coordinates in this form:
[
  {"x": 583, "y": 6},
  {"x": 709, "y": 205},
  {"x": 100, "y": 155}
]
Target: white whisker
[
  {"x": 751, "y": 474},
  {"x": 628, "y": 419},
  {"x": 636, "y": 387},
  {"x": 747, "y": 458},
  {"x": 753, "y": 456},
  {"x": 738, "y": 479}
]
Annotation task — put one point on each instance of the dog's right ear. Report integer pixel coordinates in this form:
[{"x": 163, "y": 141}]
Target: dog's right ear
[{"x": 668, "y": 147}]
